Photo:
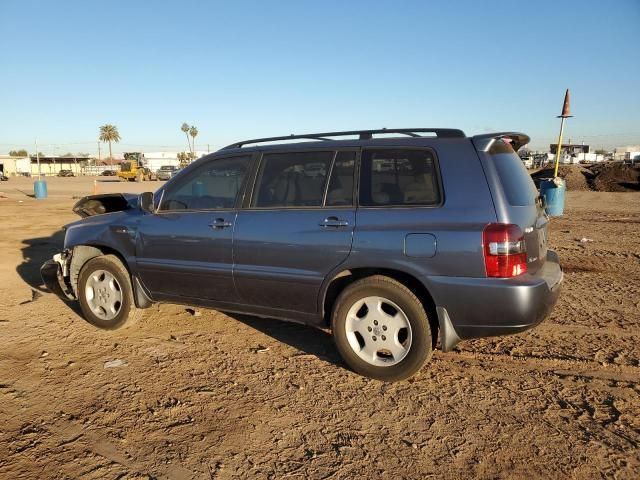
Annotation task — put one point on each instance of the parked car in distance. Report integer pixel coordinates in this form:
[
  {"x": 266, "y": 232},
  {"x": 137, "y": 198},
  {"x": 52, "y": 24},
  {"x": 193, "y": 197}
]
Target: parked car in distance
[
  {"x": 393, "y": 243},
  {"x": 166, "y": 172},
  {"x": 108, "y": 173},
  {"x": 66, "y": 173}
]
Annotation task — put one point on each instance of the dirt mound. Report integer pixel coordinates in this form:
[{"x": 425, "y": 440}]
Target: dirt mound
[
  {"x": 615, "y": 177},
  {"x": 574, "y": 175},
  {"x": 601, "y": 177}
]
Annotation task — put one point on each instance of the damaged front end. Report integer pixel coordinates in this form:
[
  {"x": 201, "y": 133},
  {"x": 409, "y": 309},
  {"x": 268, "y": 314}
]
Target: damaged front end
[
  {"x": 60, "y": 273},
  {"x": 108, "y": 226},
  {"x": 55, "y": 274}
]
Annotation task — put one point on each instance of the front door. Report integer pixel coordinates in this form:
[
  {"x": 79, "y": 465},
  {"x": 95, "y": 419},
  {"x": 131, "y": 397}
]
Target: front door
[
  {"x": 185, "y": 250},
  {"x": 297, "y": 228}
]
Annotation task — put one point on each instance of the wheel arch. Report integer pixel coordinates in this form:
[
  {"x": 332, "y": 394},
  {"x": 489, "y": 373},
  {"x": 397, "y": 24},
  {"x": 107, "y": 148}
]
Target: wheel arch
[
  {"x": 81, "y": 254},
  {"x": 345, "y": 277}
]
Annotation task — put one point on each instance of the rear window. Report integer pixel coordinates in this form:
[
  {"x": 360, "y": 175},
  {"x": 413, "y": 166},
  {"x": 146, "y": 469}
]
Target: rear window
[{"x": 516, "y": 181}]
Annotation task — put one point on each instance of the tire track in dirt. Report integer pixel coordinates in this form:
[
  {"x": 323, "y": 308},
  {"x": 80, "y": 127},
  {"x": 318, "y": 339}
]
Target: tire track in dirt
[{"x": 552, "y": 365}]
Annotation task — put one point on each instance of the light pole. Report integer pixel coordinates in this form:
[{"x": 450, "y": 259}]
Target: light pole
[
  {"x": 39, "y": 186},
  {"x": 38, "y": 160}
]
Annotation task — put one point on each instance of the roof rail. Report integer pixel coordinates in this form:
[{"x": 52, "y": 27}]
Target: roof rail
[
  {"x": 483, "y": 142},
  {"x": 363, "y": 134}
]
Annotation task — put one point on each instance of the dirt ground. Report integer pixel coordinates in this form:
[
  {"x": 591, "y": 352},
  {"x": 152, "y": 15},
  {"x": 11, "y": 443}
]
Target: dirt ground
[
  {"x": 600, "y": 177},
  {"x": 207, "y": 395}
]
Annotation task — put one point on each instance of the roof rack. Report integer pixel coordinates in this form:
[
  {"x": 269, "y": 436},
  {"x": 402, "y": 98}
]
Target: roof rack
[{"x": 363, "y": 135}]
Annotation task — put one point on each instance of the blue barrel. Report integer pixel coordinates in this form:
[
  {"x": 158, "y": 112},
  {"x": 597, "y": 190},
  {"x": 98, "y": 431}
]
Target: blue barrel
[
  {"x": 198, "y": 189},
  {"x": 40, "y": 188},
  {"x": 553, "y": 192}
]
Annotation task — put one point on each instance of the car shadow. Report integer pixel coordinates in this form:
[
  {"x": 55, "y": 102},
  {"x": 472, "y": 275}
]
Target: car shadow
[
  {"x": 36, "y": 251},
  {"x": 307, "y": 339}
]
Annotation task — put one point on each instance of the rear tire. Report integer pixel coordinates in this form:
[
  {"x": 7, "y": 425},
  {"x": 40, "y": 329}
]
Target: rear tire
[
  {"x": 105, "y": 293},
  {"x": 381, "y": 329}
]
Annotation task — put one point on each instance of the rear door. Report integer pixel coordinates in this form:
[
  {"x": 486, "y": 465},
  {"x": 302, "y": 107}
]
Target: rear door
[
  {"x": 296, "y": 228},
  {"x": 521, "y": 201}
]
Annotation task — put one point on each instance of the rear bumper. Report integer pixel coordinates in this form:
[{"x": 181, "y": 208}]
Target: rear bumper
[{"x": 484, "y": 307}]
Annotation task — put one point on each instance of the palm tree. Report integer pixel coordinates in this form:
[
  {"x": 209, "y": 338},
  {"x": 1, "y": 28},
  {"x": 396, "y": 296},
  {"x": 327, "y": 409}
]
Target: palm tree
[
  {"x": 109, "y": 133},
  {"x": 193, "y": 131},
  {"x": 185, "y": 128}
]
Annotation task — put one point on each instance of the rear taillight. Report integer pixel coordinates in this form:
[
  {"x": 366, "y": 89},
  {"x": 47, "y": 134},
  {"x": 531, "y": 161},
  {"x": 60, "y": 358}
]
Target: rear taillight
[{"x": 505, "y": 253}]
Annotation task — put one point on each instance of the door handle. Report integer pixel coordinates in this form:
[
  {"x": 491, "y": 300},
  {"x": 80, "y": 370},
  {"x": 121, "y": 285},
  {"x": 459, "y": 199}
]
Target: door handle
[
  {"x": 220, "y": 223},
  {"x": 334, "y": 222}
]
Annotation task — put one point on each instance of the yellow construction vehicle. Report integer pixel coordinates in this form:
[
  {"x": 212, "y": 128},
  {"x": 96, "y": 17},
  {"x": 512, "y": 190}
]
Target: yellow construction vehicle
[{"x": 133, "y": 168}]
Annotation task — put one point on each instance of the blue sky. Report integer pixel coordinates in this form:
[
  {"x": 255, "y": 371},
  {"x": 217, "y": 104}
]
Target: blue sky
[{"x": 241, "y": 69}]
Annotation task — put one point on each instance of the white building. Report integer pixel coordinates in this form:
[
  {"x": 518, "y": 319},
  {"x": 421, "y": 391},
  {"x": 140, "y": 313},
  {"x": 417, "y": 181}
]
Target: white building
[
  {"x": 11, "y": 166},
  {"x": 620, "y": 152},
  {"x": 155, "y": 160},
  {"x": 590, "y": 157}
]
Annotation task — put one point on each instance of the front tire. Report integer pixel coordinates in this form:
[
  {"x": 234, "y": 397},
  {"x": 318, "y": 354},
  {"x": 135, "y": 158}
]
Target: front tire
[
  {"x": 381, "y": 329},
  {"x": 105, "y": 293}
]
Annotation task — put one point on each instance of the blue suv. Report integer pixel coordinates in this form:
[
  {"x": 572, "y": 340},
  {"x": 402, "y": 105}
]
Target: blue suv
[{"x": 392, "y": 238}]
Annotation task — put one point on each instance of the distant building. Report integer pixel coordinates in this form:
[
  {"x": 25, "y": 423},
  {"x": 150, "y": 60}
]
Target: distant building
[
  {"x": 155, "y": 160},
  {"x": 569, "y": 148},
  {"x": 51, "y": 165},
  {"x": 11, "y": 166},
  {"x": 619, "y": 153}
]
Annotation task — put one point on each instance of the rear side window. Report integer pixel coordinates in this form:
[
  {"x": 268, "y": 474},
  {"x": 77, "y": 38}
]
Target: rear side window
[
  {"x": 292, "y": 179},
  {"x": 516, "y": 181},
  {"x": 398, "y": 177}
]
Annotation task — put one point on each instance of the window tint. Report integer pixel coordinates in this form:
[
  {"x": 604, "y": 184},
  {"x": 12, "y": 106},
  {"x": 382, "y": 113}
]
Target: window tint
[
  {"x": 292, "y": 179},
  {"x": 398, "y": 177},
  {"x": 340, "y": 190},
  {"x": 211, "y": 186},
  {"x": 516, "y": 181}
]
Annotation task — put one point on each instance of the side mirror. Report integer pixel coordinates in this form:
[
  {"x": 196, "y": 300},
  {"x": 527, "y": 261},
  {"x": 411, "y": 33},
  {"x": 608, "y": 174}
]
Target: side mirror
[{"x": 145, "y": 202}]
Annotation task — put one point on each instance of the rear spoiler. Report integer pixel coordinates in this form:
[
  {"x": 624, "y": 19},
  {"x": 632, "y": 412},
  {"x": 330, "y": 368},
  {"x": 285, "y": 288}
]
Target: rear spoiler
[{"x": 483, "y": 142}]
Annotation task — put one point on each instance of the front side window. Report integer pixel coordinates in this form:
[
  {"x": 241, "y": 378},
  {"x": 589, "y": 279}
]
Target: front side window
[
  {"x": 212, "y": 186},
  {"x": 398, "y": 177},
  {"x": 292, "y": 179}
]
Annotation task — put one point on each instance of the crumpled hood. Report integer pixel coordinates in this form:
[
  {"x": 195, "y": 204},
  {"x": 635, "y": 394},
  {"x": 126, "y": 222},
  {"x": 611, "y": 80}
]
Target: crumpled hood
[{"x": 106, "y": 203}]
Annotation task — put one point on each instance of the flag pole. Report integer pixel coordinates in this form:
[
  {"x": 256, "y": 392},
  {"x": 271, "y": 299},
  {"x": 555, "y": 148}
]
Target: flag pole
[{"x": 559, "y": 148}]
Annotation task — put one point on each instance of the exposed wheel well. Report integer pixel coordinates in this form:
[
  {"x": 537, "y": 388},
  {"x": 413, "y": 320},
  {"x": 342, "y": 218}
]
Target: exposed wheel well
[
  {"x": 343, "y": 279},
  {"x": 83, "y": 253}
]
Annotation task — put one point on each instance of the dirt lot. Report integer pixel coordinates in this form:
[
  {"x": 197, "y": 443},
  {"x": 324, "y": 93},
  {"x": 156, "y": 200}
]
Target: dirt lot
[{"x": 215, "y": 396}]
